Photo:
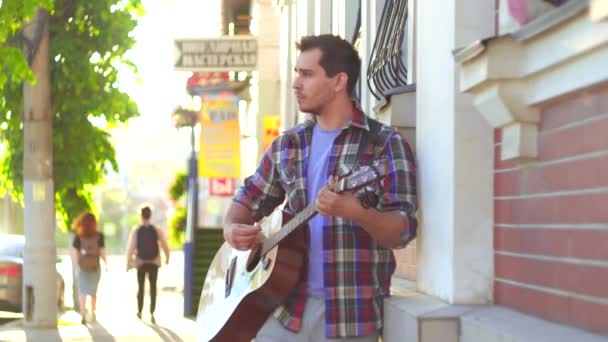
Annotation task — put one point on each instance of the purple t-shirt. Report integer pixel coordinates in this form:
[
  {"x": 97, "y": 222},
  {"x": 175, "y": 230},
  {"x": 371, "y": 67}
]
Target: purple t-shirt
[{"x": 316, "y": 178}]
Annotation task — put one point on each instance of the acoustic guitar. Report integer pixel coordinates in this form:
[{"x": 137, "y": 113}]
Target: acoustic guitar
[{"x": 243, "y": 288}]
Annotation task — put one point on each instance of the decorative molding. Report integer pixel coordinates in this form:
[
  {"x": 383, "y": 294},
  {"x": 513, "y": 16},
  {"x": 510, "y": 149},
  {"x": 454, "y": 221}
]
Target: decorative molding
[
  {"x": 599, "y": 10},
  {"x": 512, "y": 76}
]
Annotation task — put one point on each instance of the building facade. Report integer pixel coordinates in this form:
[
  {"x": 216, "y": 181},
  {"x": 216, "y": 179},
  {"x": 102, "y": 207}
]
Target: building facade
[{"x": 504, "y": 103}]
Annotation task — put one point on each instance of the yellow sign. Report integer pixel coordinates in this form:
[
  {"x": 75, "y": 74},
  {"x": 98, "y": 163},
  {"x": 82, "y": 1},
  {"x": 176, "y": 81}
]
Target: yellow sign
[
  {"x": 220, "y": 148},
  {"x": 271, "y": 130}
]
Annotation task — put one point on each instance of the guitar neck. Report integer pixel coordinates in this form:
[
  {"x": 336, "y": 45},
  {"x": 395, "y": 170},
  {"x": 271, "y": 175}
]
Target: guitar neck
[
  {"x": 364, "y": 176},
  {"x": 292, "y": 225}
]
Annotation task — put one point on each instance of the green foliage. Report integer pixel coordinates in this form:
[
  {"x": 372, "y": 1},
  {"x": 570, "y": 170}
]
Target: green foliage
[
  {"x": 177, "y": 224},
  {"x": 179, "y": 187},
  {"x": 89, "y": 40},
  {"x": 13, "y": 13}
]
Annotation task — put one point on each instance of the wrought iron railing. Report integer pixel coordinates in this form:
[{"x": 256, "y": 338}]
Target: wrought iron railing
[{"x": 387, "y": 69}]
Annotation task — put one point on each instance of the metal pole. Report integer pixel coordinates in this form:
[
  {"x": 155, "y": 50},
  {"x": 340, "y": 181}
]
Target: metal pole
[{"x": 191, "y": 223}]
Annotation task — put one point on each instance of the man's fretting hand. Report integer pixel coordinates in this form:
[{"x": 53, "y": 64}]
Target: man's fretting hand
[{"x": 344, "y": 205}]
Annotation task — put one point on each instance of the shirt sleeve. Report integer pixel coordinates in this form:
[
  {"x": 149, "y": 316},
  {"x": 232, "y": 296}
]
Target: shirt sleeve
[
  {"x": 398, "y": 192},
  {"x": 262, "y": 192},
  {"x": 76, "y": 242}
]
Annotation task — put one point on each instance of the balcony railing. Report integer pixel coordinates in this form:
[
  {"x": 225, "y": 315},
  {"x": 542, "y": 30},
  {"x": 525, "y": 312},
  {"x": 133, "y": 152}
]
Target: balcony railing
[{"x": 387, "y": 69}]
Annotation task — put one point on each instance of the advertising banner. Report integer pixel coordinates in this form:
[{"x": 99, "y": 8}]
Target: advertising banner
[{"x": 220, "y": 148}]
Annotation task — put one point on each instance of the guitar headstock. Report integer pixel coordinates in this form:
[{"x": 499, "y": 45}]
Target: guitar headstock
[{"x": 363, "y": 175}]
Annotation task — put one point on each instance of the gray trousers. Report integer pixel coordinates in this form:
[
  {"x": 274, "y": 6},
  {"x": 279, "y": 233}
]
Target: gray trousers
[{"x": 312, "y": 329}]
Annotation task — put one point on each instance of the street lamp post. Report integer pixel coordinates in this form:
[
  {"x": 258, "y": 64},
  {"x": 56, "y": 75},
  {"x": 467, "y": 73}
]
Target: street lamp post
[{"x": 189, "y": 118}]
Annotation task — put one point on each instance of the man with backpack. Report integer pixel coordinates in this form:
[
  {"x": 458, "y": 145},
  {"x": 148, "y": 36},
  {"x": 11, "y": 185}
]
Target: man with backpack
[{"x": 143, "y": 253}]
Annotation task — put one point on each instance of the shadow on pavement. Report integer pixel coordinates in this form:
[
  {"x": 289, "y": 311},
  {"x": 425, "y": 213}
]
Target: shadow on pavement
[
  {"x": 166, "y": 334},
  {"x": 50, "y": 335},
  {"x": 8, "y": 317},
  {"x": 99, "y": 333}
]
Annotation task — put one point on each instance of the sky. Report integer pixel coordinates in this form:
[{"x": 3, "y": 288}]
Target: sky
[{"x": 158, "y": 89}]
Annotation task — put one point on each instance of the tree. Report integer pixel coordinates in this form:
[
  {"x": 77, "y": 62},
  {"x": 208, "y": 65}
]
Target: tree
[
  {"x": 89, "y": 40},
  {"x": 13, "y": 13}
]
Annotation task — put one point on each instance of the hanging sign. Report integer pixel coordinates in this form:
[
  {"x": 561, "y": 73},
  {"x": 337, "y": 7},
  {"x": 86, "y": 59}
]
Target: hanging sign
[{"x": 219, "y": 54}]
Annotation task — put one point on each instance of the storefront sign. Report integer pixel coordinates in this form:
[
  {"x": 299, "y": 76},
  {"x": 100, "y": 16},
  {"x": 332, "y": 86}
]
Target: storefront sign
[
  {"x": 220, "y": 54},
  {"x": 221, "y": 186}
]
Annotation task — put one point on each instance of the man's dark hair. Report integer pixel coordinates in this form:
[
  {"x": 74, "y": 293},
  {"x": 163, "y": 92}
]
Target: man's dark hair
[
  {"x": 337, "y": 55},
  {"x": 146, "y": 212}
]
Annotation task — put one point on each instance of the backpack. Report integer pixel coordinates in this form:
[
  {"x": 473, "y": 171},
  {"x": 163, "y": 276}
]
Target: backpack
[
  {"x": 89, "y": 254},
  {"x": 147, "y": 243}
]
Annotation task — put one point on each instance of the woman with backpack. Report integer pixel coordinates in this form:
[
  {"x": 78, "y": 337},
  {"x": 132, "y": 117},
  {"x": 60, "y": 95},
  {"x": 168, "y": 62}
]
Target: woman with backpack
[{"x": 88, "y": 249}]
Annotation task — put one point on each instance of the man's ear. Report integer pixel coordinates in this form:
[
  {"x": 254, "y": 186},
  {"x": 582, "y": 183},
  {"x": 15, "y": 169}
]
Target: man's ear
[{"x": 341, "y": 82}]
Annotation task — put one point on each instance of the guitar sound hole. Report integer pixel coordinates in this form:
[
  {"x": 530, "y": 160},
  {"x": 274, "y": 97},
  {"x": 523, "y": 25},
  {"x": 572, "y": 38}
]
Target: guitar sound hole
[{"x": 254, "y": 259}]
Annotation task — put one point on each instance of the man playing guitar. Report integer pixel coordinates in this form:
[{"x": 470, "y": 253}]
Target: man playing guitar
[{"x": 350, "y": 261}]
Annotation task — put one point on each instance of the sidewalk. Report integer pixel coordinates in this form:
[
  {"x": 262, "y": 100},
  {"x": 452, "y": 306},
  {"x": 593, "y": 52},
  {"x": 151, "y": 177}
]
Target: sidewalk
[
  {"x": 110, "y": 326},
  {"x": 116, "y": 319}
]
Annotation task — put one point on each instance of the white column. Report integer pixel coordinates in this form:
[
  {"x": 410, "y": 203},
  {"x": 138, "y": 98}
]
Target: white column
[
  {"x": 411, "y": 42},
  {"x": 323, "y": 16},
  {"x": 268, "y": 70},
  {"x": 287, "y": 41},
  {"x": 454, "y": 151},
  {"x": 338, "y": 13},
  {"x": 371, "y": 10}
]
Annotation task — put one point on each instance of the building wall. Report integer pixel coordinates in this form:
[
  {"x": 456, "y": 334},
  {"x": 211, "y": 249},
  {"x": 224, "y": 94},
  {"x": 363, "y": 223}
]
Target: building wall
[
  {"x": 551, "y": 217},
  {"x": 454, "y": 153},
  {"x": 406, "y": 262}
]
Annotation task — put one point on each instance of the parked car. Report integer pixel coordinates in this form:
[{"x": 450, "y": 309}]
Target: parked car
[{"x": 11, "y": 274}]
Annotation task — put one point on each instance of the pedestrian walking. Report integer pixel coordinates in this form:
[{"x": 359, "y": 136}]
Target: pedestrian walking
[
  {"x": 89, "y": 248},
  {"x": 143, "y": 253}
]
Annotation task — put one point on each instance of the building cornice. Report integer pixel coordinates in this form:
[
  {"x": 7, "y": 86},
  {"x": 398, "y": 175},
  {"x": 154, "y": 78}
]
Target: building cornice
[{"x": 512, "y": 76}]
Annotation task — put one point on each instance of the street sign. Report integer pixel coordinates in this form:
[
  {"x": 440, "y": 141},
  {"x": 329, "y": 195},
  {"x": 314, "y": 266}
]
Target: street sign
[{"x": 238, "y": 53}]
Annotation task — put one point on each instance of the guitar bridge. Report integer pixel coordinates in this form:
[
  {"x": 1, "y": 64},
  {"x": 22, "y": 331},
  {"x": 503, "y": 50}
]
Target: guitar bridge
[{"x": 229, "y": 277}]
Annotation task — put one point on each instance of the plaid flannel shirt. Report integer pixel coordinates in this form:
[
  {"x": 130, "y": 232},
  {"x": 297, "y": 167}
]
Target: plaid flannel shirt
[{"x": 357, "y": 271}]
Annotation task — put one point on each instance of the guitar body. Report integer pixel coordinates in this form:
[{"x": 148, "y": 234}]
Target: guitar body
[
  {"x": 237, "y": 299},
  {"x": 243, "y": 288}
]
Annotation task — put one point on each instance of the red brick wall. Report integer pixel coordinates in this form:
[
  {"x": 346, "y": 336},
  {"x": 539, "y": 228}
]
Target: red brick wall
[
  {"x": 406, "y": 261},
  {"x": 551, "y": 217}
]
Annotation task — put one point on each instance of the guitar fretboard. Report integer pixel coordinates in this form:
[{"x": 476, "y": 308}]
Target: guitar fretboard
[{"x": 295, "y": 222}]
